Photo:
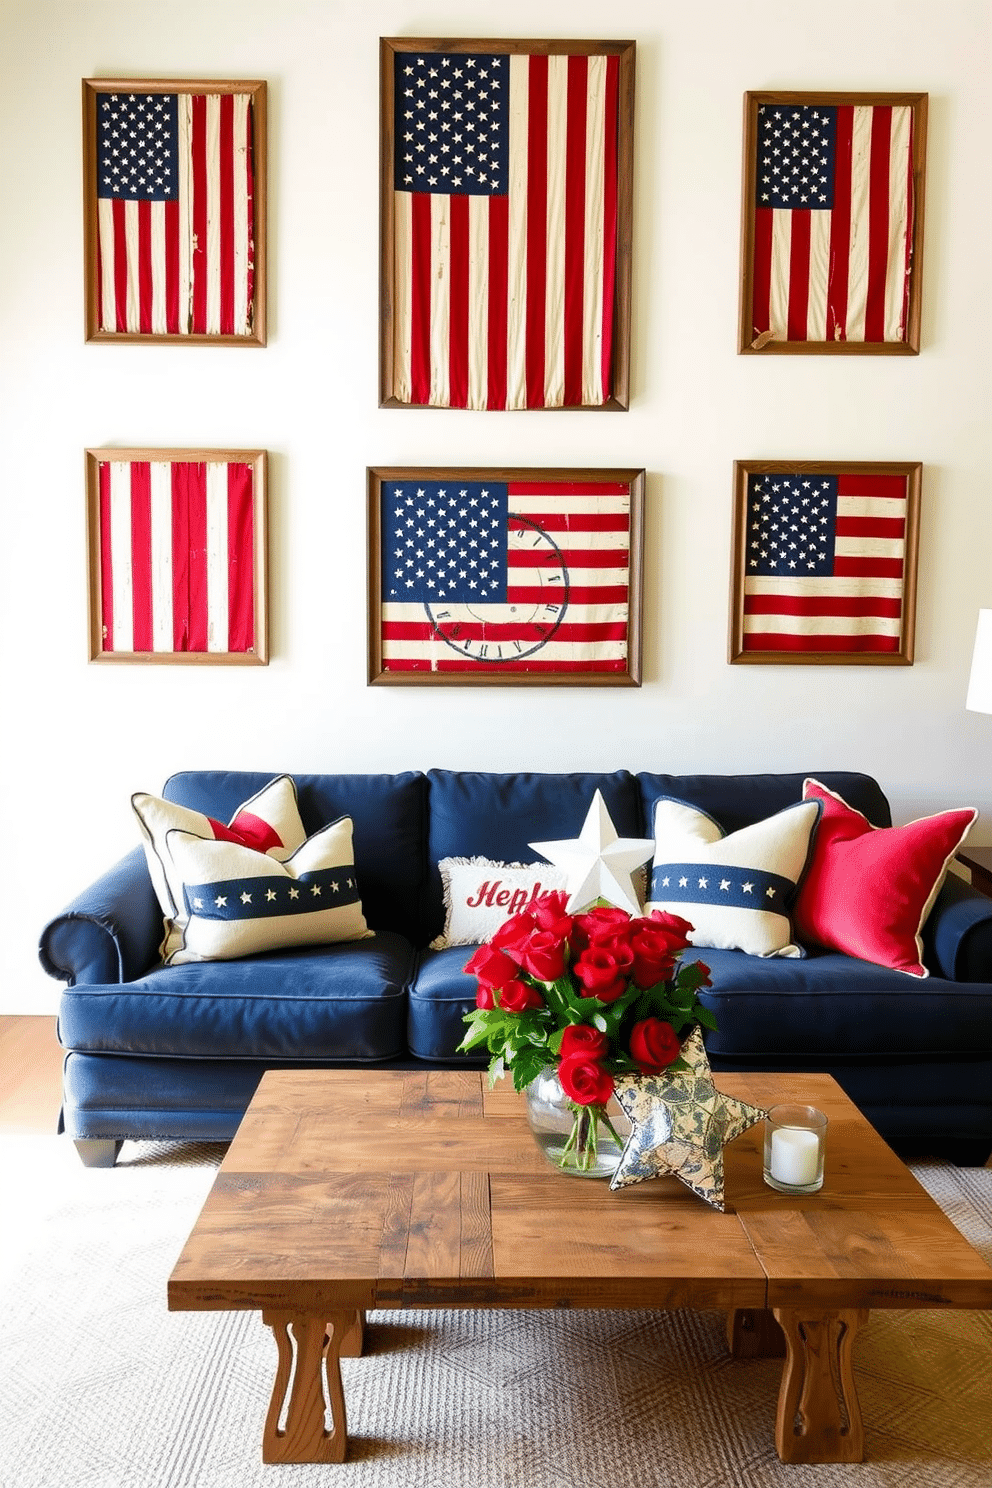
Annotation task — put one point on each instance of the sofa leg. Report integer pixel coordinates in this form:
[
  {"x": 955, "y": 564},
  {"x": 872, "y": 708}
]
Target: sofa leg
[{"x": 97, "y": 1152}]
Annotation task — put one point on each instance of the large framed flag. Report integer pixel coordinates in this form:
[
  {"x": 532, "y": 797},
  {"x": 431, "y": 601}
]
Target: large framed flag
[
  {"x": 505, "y": 576},
  {"x": 824, "y": 565},
  {"x": 832, "y": 236},
  {"x": 177, "y": 555},
  {"x": 174, "y": 206},
  {"x": 505, "y": 222}
]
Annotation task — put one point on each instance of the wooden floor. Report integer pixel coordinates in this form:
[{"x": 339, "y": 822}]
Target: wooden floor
[{"x": 30, "y": 1075}]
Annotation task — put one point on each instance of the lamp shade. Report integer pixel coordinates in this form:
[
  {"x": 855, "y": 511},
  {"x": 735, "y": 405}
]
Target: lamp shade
[{"x": 979, "y": 698}]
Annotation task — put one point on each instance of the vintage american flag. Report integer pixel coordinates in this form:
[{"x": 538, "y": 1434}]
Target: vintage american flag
[
  {"x": 505, "y": 234},
  {"x": 833, "y": 222},
  {"x": 505, "y": 576},
  {"x": 824, "y": 562},
  {"x": 175, "y": 213},
  {"x": 177, "y": 545}
]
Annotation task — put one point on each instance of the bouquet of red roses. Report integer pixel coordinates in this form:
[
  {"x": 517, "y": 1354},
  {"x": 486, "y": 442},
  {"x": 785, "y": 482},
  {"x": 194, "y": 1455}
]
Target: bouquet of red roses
[{"x": 598, "y": 995}]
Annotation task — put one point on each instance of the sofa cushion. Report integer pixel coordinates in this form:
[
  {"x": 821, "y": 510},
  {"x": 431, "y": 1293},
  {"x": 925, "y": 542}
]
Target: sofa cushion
[
  {"x": 829, "y": 1006},
  {"x": 441, "y": 993},
  {"x": 390, "y": 829},
  {"x": 870, "y": 889},
  {"x": 269, "y": 822},
  {"x": 737, "y": 800},
  {"x": 734, "y": 890},
  {"x": 346, "y": 1001},
  {"x": 477, "y": 814}
]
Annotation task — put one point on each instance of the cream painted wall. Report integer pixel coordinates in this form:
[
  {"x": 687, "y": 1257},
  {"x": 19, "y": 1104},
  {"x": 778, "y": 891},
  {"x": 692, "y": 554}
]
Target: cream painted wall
[{"x": 81, "y": 738}]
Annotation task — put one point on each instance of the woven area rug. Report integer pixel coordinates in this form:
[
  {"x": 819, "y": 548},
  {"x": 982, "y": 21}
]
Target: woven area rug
[{"x": 102, "y": 1387}]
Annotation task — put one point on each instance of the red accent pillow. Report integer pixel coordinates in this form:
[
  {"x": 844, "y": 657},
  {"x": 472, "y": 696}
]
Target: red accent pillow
[
  {"x": 869, "y": 889},
  {"x": 248, "y": 830}
]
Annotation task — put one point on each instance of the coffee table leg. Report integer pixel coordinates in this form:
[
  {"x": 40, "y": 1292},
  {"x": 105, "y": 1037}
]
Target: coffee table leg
[
  {"x": 753, "y": 1333},
  {"x": 318, "y": 1354},
  {"x": 819, "y": 1418}
]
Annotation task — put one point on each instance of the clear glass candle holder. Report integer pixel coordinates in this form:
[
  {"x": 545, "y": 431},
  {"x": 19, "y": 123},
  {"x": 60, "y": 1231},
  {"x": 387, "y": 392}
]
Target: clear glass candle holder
[{"x": 795, "y": 1137}]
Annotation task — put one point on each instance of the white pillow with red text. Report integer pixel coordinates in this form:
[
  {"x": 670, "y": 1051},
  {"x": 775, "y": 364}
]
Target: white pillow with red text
[{"x": 479, "y": 895}]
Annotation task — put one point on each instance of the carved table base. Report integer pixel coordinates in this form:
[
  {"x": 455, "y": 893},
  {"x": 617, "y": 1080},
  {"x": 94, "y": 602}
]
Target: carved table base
[
  {"x": 819, "y": 1418},
  {"x": 319, "y": 1349}
]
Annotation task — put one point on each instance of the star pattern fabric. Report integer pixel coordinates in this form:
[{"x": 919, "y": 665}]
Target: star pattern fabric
[
  {"x": 792, "y": 525},
  {"x": 137, "y": 143},
  {"x": 796, "y": 152},
  {"x": 680, "y": 1124},
  {"x": 445, "y": 541},
  {"x": 452, "y": 124},
  {"x": 598, "y": 864}
]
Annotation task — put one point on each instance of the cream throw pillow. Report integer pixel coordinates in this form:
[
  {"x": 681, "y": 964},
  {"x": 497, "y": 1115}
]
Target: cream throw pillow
[
  {"x": 239, "y": 902},
  {"x": 269, "y": 822}
]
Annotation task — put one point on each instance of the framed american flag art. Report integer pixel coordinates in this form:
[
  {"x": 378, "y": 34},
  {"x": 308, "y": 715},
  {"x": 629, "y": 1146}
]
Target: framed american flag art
[
  {"x": 505, "y": 251},
  {"x": 505, "y": 576},
  {"x": 177, "y": 555},
  {"x": 832, "y": 235},
  {"x": 174, "y": 208},
  {"x": 824, "y": 563}
]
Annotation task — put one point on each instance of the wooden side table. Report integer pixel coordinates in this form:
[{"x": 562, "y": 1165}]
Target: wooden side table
[{"x": 979, "y": 860}]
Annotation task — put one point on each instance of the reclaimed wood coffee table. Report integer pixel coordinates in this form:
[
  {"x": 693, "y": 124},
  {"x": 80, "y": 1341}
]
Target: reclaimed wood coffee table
[{"x": 346, "y": 1190}]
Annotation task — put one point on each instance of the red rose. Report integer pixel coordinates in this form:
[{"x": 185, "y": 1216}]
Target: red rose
[
  {"x": 599, "y": 924},
  {"x": 544, "y": 956},
  {"x": 513, "y": 934},
  {"x": 491, "y": 966},
  {"x": 580, "y": 1038},
  {"x": 484, "y": 998},
  {"x": 600, "y": 974},
  {"x": 701, "y": 966},
  {"x": 654, "y": 960},
  {"x": 550, "y": 914},
  {"x": 677, "y": 927},
  {"x": 654, "y": 1044},
  {"x": 517, "y": 997},
  {"x": 585, "y": 1081}
]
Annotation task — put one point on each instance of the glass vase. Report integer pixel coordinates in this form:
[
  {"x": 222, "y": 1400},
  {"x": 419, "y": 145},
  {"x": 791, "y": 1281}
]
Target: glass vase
[{"x": 585, "y": 1141}]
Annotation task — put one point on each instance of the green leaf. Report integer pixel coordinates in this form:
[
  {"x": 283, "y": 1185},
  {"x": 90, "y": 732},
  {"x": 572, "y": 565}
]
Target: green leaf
[
  {"x": 704, "y": 1016},
  {"x": 477, "y": 1034}
]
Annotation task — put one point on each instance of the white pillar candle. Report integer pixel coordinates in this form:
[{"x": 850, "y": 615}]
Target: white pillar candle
[{"x": 795, "y": 1156}]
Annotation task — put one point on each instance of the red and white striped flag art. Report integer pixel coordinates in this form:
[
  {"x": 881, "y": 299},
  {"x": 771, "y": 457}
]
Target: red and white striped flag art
[
  {"x": 826, "y": 564},
  {"x": 177, "y": 545},
  {"x": 174, "y": 245},
  {"x": 503, "y": 576},
  {"x": 507, "y": 188},
  {"x": 835, "y": 217}
]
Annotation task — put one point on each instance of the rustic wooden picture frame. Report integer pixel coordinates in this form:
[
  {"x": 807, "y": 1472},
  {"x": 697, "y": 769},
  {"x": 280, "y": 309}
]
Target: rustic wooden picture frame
[
  {"x": 451, "y": 333},
  {"x": 845, "y": 593},
  {"x": 842, "y": 276},
  {"x": 177, "y": 545},
  {"x": 179, "y": 256},
  {"x": 574, "y": 540}
]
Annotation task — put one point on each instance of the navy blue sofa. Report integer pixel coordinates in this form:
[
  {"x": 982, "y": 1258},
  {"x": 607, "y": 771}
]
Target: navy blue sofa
[{"x": 176, "y": 1052}]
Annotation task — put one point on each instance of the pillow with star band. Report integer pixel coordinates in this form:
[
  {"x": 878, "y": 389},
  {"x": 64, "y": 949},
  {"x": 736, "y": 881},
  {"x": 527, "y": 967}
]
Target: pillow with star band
[
  {"x": 239, "y": 902},
  {"x": 269, "y": 822},
  {"x": 735, "y": 890}
]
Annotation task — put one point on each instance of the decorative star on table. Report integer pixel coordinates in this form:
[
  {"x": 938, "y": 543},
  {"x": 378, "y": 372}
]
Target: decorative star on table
[
  {"x": 680, "y": 1124},
  {"x": 598, "y": 863}
]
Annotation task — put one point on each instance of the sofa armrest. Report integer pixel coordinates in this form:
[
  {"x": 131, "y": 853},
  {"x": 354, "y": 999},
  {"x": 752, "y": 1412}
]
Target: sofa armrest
[
  {"x": 957, "y": 937},
  {"x": 110, "y": 933}
]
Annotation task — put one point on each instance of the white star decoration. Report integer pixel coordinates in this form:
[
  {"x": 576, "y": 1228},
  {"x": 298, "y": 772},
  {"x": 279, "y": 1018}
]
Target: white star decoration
[{"x": 598, "y": 864}]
